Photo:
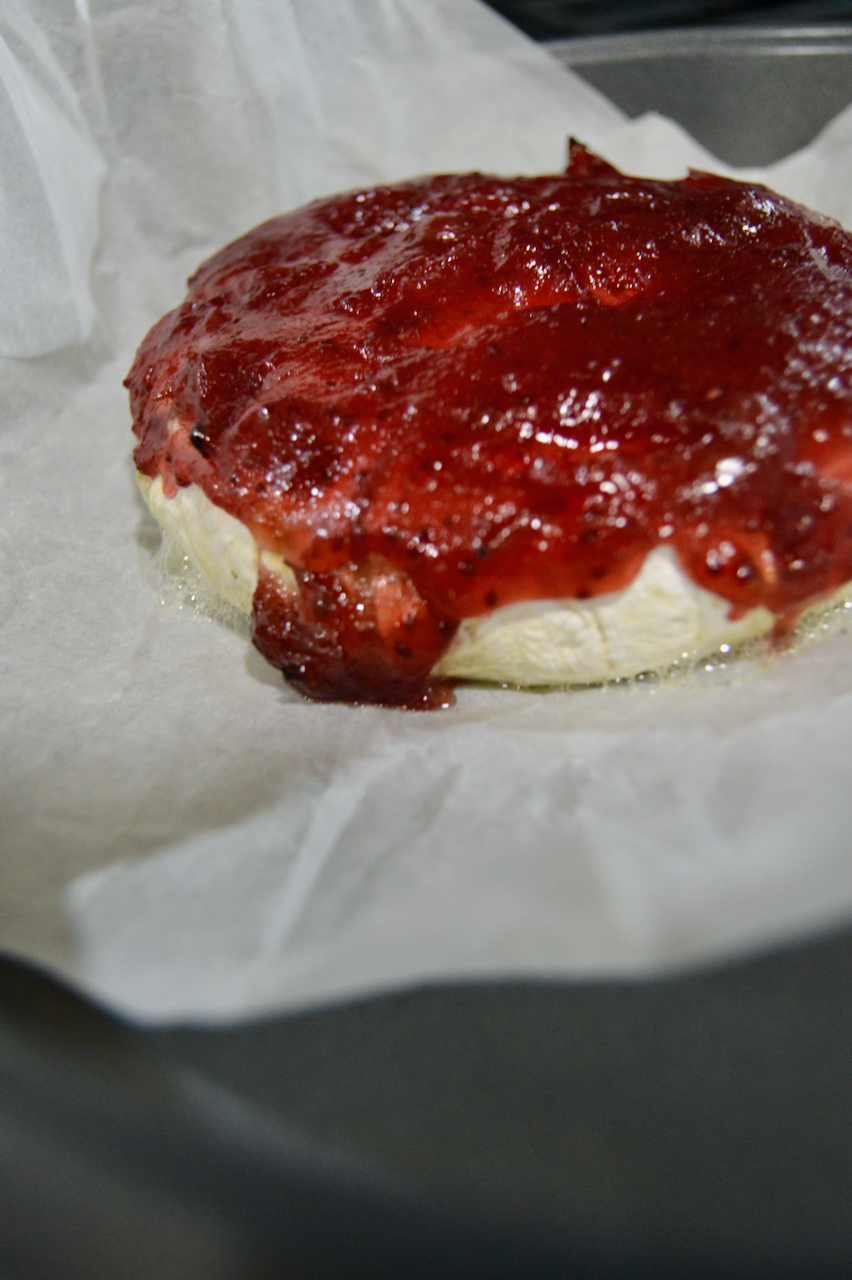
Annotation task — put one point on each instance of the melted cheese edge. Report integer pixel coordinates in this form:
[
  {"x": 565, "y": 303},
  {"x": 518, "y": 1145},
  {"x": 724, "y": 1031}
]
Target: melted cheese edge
[{"x": 661, "y": 618}]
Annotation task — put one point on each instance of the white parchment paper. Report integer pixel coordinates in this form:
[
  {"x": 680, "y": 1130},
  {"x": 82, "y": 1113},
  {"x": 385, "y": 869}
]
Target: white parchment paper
[{"x": 181, "y": 834}]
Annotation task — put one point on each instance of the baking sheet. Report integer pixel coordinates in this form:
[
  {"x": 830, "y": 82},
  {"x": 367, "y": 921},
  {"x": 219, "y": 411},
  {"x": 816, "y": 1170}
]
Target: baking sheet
[{"x": 185, "y": 837}]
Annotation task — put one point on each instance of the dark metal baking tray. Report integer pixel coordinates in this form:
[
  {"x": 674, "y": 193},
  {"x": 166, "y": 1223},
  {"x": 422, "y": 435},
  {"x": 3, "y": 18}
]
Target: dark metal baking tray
[
  {"x": 750, "y": 95},
  {"x": 699, "y": 1126}
]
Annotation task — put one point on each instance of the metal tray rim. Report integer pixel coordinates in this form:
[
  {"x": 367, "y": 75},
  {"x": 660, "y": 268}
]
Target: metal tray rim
[{"x": 745, "y": 42}]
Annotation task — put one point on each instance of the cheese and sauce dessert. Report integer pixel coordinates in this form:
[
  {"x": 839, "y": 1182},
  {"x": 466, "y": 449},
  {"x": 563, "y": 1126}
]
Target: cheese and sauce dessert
[{"x": 537, "y": 431}]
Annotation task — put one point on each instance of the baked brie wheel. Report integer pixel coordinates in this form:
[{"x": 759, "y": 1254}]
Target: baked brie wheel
[{"x": 538, "y": 431}]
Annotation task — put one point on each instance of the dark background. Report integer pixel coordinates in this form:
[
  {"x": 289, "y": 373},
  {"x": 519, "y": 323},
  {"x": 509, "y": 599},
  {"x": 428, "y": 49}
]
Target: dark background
[{"x": 558, "y": 19}]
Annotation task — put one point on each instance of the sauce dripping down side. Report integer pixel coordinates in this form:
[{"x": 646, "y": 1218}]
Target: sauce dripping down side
[{"x": 440, "y": 397}]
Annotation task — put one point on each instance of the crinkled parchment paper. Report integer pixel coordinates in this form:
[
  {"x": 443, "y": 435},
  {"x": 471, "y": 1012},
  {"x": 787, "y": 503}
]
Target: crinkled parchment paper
[{"x": 181, "y": 834}]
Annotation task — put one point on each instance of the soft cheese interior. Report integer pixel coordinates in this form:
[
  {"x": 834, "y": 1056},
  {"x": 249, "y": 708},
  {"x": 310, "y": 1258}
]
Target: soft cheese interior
[{"x": 660, "y": 618}]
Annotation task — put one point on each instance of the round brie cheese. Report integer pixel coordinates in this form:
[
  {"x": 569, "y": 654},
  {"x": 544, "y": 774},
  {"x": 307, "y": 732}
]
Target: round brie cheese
[{"x": 660, "y": 618}]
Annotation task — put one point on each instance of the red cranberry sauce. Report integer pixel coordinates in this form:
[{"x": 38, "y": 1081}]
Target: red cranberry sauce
[{"x": 444, "y": 396}]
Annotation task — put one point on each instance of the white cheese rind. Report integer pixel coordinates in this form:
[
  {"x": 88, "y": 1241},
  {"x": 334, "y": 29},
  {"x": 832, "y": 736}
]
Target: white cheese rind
[
  {"x": 662, "y": 617},
  {"x": 221, "y": 546}
]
